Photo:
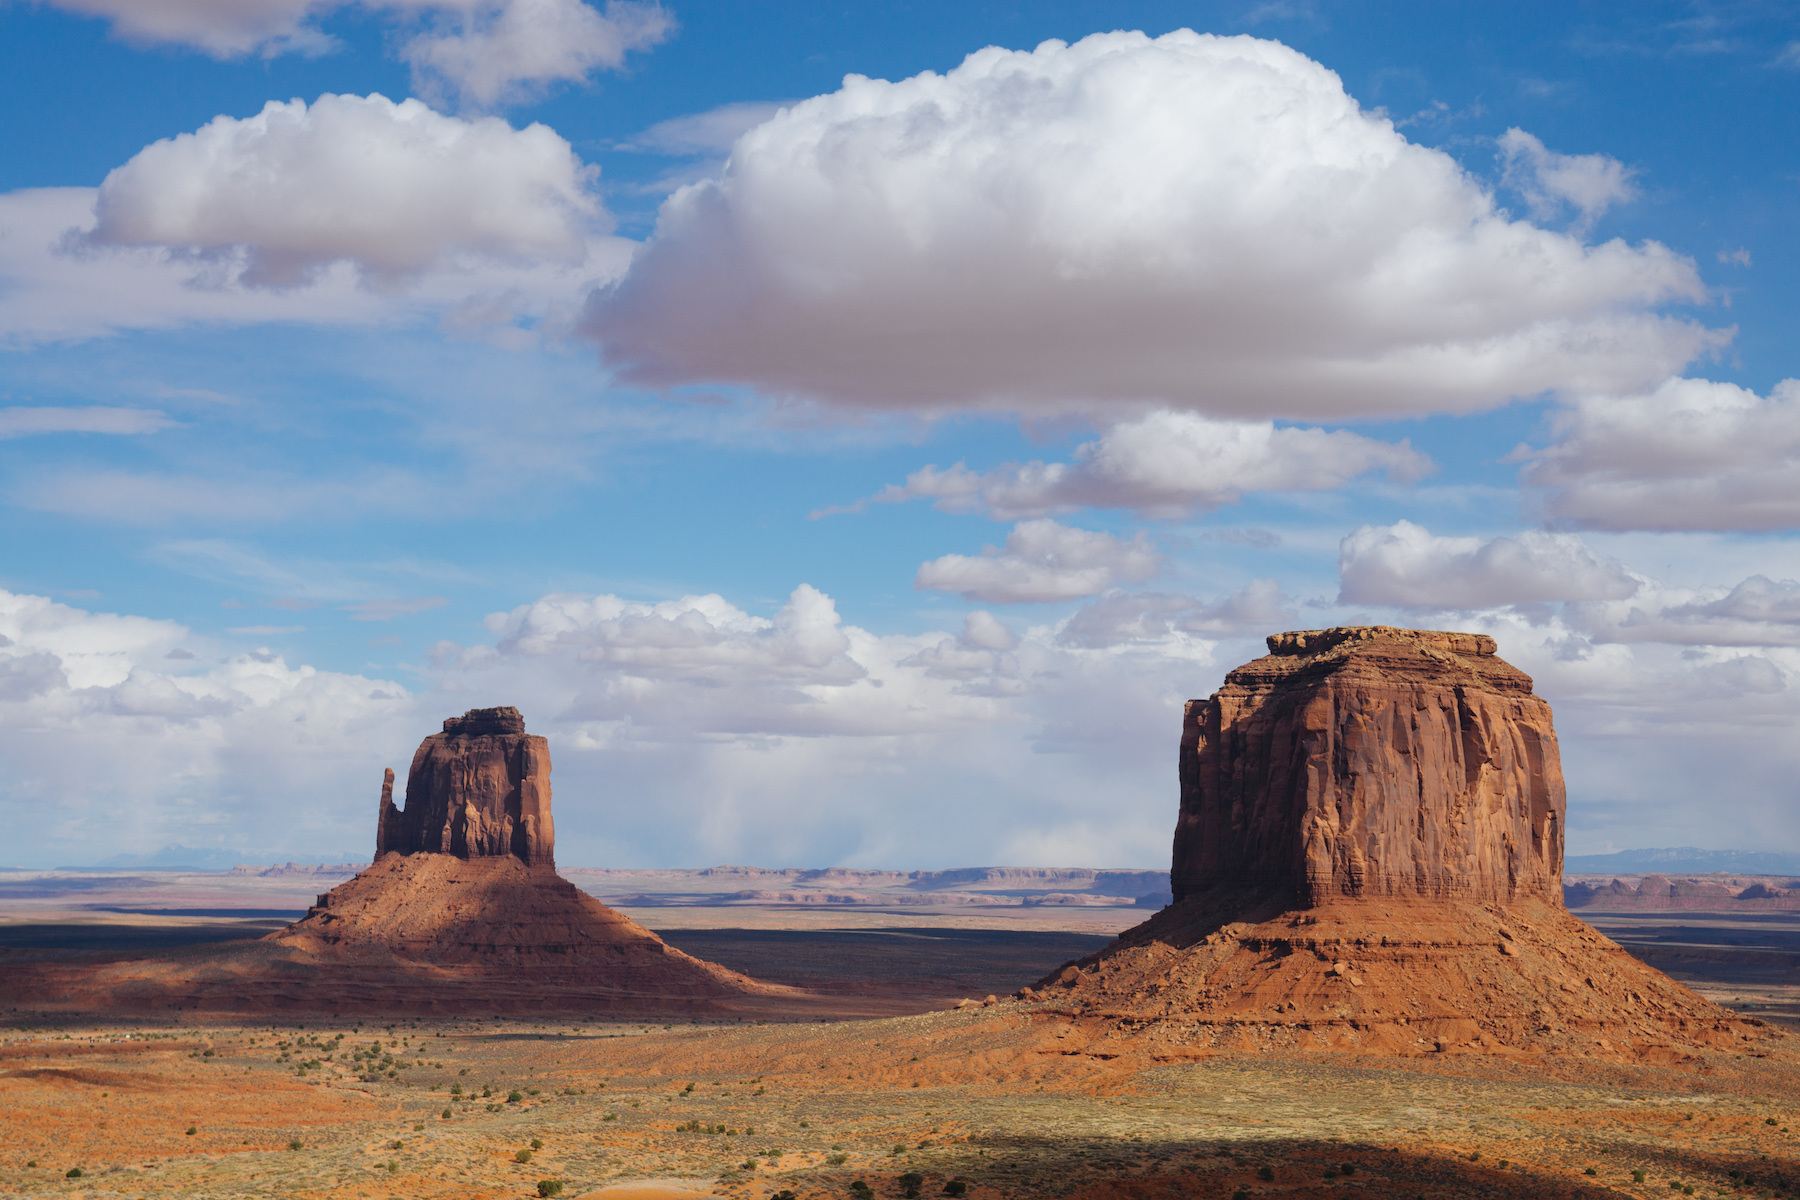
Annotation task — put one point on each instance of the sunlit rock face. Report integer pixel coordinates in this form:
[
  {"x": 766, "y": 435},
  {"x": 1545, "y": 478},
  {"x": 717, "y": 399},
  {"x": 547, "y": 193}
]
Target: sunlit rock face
[{"x": 1371, "y": 762}]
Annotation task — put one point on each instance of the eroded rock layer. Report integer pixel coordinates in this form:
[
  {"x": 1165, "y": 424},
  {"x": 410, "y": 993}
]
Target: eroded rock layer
[
  {"x": 1368, "y": 858},
  {"x": 1371, "y": 761},
  {"x": 479, "y": 789}
]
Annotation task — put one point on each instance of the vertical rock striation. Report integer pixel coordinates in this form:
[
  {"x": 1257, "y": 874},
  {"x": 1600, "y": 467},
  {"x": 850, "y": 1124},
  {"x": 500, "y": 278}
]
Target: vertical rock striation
[
  {"x": 1372, "y": 761},
  {"x": 479, "y": 789}
]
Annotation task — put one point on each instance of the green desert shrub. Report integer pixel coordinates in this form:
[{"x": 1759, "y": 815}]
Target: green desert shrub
[
  {"x": 523, "y": 1156},
  {"x": 72, "y": 1173},
  {"x": 956, "y": 1187},
  {"x": 837, "y": 1160},
  {"x": 296, "y": 1144},
  {"x": 537, "y": 1143},
  {"x": 192, "y": 1130},
  {"x": 514, "y": 1097},
  {"x": 446, "y": 1114},
  {"x": 550, "y": 1187}
]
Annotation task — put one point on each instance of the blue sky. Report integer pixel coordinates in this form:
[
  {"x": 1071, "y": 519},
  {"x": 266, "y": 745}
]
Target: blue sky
[{"x": 618, "y": 362}]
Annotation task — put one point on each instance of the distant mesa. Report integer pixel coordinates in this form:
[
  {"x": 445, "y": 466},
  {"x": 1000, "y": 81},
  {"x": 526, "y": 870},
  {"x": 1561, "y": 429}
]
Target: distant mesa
[{"x": 1368, "y": 857}]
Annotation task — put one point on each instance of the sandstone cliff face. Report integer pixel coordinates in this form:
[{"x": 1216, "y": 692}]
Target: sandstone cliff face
[
  {"x": 479, "y": 789},
  {"x": 1368, "y": 762}
]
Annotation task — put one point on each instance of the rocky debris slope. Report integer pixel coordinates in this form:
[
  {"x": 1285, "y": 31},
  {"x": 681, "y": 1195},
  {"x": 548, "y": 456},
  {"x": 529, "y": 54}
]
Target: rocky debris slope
[
  {"x": 479, "y": 789},
  {"x": 1368, "y": 858}
]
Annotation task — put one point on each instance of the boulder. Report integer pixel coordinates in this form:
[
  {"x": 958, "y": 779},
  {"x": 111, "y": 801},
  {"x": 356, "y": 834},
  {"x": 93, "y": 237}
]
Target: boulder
[{"x": 479, "y": 789}]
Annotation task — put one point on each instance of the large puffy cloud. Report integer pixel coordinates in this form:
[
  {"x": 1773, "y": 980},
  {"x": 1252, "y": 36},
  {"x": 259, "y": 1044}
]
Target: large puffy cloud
[
  {"x": 1758, "y": 611},
  {"x": 1166, "y": 464},
  {"x": 1408, "y": 566},
  {"x": 1692, "y": 454},
  {"x": 395, "y": 189},
  {"x": 123, "y": 732},
  {"x": 1043, "y": 561},
  {"x": 486, "y": 50},
  {"x": 1193, "y": 221}
]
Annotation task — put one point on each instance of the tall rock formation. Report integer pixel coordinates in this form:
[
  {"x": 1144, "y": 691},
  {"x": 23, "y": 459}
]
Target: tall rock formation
[
  {"x": 479, "y": 789},
  {"x": 1372, "y": 761},
  {"x": 1368, "y": 858},
  {"x": 461, "y": 913}
]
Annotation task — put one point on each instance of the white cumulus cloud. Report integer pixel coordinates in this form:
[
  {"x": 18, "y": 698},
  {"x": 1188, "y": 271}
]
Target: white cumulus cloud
[
  {"x": 1166, "y": 464},
  {"x": 1043, "y": 561},
  {"x": 118, "y": 736},
  {"x": 1588, "y": 183},
  {"x": 1406, "y": 565},
  {"x": 395, "y": 189},
  {"x": 1692, "y": 454},
  {"x": 1188, "y": 222},
  {"x": 486, "y": 51},
  {"x": 1758, "y": 611},
  {"x": 503, "y": 51},
  {"x": 222, "y": 28}
]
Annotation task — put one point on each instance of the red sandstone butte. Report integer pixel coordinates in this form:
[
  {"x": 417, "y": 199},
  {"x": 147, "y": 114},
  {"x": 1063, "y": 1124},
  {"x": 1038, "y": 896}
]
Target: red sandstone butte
[
  {"x": 1372, "y": 761},
  {"x": 479, "y": 789},
  {"x": 1368, "y": 858},
  {"x": 462, "y": 912}
]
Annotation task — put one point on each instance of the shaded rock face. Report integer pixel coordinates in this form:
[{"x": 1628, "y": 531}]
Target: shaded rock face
[
  {"x": 479, "y": 789},
  {"x": 1371, "y": 762}
]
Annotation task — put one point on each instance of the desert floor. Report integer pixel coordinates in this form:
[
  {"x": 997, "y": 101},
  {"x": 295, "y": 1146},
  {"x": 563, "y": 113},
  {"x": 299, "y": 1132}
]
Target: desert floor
[
  {"x": 750, "y": 1110},
  {"x": 987, "y": 1095}
]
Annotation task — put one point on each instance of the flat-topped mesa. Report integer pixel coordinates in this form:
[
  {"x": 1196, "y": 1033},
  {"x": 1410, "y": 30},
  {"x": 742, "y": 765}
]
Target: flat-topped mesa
[
  {"x": 1372, "y": 761},
  {"x": 480, "y": 789}
]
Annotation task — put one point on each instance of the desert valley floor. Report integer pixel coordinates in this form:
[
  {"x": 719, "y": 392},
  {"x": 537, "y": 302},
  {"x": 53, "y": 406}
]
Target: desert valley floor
[{"x": 996, "y": 1097}]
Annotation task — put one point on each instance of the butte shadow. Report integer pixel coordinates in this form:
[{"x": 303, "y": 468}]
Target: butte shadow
[
  {"x": 462, "y": 912},
  {"x": 1368, "y": 858}
]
